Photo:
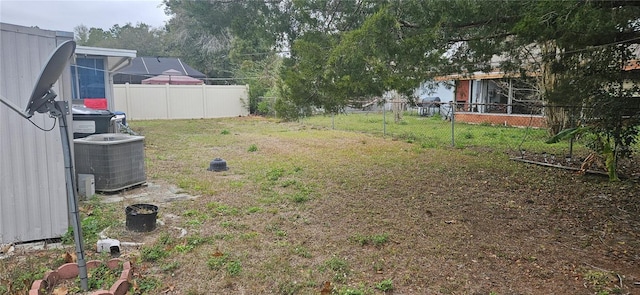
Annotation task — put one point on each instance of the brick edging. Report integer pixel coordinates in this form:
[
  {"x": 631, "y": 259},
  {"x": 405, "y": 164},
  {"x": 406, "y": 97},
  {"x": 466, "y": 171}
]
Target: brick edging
[{"x": 70, "y": 270}]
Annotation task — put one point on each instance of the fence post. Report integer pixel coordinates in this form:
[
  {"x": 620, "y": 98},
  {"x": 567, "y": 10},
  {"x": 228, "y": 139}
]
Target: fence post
[
  {"x": 127, "y": 97},
  {"x": 333, "y": 120},
  {"x": 204, "y": 101},
  {"x": 572, "y": 125},
  {"x": 166, "y": 100},
  {"x": 384, "y": 118},
  {"x": 453, "y": 120}
]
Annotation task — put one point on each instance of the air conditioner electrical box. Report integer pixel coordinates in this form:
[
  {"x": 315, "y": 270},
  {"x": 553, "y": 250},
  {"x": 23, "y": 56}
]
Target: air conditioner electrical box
[
  {"x": 86, "y": 186},
  {"x": 115, "y": 160}
]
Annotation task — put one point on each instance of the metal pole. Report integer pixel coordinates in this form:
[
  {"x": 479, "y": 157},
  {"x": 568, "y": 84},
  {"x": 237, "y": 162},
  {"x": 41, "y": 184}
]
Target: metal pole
[
  {"x": 384, "y": 118},
  {"x": 333, "y": 121},
  {"x": 453, "y": 120},
  {"x": 62, "y": 109},
  {"x": 13, "y": 107},
  {"x": 572, "y": 125}
]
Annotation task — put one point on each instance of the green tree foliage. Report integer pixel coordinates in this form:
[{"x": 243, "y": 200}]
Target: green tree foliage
[
  {"x": 146, "y": 40},
  {"x": 577, "y": 51},
  {"x": 329, "y": 54},
  {"x": 233, "y": 41}
]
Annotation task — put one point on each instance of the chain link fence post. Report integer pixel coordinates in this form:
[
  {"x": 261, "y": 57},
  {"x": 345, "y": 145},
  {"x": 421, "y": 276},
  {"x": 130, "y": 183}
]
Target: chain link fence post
[
  {"x": 333, "y": 121},
  {"x": 453, "y": 120},
  {"x": 384, "y": 118}
]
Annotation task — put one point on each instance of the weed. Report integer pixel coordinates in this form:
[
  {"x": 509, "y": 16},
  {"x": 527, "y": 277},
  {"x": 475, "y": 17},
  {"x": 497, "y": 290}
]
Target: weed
[
  {"x": 221, "y": 209},
  {"x": 225, "y": 237},
  {"x": 275, "y": 174},
  {"x": 351, "y": 291},
  {"x": 165, "y": 239},
  {"x": 194, "y": 222},
  {"x": 299, "y": 197},
  {"x": 217, "y": 261},
  {"x": 100, "y": 216},
  {"x": 102, "y": 277},
  {"x": 220, "y": 261},
  {"x": 360, "y": 239},
  {"x": 302, "y": 251},
  {"x": 385, "y": 285},
  {"x": 225, "y": 132},
  {"x": 197, "y": 240},
  {"x": 22, "y": 279},
  {"x": 183, "y": 248},
  {"x": 378, "y": 266},
  {"x": 153, "y": 253},
  {"x": 232, "y": 225},
  {"x": 428, "y": 144},
  {"x": 377, "y": 240},
  {"x": 338, "y": 266},
  {"x": 170, "y": 267},
  {"x": 249, "y": 236},
  {"x": 272, "y": 227},
  {"x": 289, "y": 288},
  {"x": 289, "y": 182},
  {"x": 251, "y": 210},
  {"x": 234, "y": 268},
  {"x": 491, "y": 134},
  {"x": 191, "y": 213},
  {"x": 598, "y": 280},
  {"x": 147, "y": 285},
  {"x": 252, "y": 148}
]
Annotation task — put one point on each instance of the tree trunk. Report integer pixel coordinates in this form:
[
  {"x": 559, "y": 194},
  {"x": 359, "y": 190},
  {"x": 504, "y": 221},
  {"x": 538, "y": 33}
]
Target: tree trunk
[{"x": 556, "y": 115}]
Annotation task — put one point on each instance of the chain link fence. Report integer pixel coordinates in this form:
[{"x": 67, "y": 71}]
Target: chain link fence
[{"x": 519, "y": 130}]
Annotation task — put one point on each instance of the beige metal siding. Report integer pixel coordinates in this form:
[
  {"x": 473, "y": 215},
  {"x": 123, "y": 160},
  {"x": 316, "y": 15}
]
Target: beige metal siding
[
  {"x": 149, "y": 102},
  {"x": 32, "y": 184}
]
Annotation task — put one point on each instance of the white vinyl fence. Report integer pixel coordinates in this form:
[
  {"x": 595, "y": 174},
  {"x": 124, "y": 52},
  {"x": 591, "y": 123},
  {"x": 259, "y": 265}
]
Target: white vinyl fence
[{"x": 149, "y": 102}]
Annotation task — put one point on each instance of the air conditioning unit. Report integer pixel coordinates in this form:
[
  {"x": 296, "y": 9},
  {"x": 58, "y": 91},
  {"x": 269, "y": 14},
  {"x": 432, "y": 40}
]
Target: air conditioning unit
[{"x": 116, "y": 160}]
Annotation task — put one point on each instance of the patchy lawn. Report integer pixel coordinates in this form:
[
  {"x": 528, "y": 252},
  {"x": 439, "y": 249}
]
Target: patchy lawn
[{"x": 307, "y": 210}]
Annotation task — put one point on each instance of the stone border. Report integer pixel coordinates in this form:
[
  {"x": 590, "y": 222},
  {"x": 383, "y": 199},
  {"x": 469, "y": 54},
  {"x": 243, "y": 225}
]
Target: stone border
[{"x": 70, "y": 271}]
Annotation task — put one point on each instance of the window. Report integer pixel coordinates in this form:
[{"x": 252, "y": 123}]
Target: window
[{"x": 88, "y": 78}]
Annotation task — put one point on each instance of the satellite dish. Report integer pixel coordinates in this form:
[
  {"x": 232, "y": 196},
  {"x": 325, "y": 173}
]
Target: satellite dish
[{"x": 42, "y": 92}]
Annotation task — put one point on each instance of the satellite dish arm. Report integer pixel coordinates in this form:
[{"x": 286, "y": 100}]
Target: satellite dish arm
[
  {"x": 42, "y": 105},
  {"x": 13, "y": 107}
]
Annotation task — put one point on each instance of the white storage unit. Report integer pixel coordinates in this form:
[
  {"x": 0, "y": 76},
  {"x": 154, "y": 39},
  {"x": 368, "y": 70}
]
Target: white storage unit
[
  {"x": 33, "y": 202},
  {"x": 116, "y": 160}
]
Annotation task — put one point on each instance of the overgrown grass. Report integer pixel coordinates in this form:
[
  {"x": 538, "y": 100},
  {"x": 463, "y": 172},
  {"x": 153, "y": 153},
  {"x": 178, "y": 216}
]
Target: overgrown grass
[
  {"x": 95, "y": 217},
  {"x": 434, "y": 132},
  {"x": 404, "y": 214}
]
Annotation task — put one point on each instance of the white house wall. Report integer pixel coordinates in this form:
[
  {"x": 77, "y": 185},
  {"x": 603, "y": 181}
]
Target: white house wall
[
  {"x": 32, "y": 183},
  {"x": 150, "y": 102}
]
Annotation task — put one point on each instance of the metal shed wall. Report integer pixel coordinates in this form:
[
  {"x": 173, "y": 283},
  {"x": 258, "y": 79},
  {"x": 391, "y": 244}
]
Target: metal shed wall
[{"x": 32, "y": 181}]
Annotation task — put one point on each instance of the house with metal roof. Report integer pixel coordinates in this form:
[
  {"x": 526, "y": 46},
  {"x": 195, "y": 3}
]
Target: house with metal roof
[{"x": 144, "y": 67}]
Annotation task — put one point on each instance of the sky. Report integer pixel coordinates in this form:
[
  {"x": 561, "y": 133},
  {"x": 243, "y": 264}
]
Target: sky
[{"x": 65, "y": 15}]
